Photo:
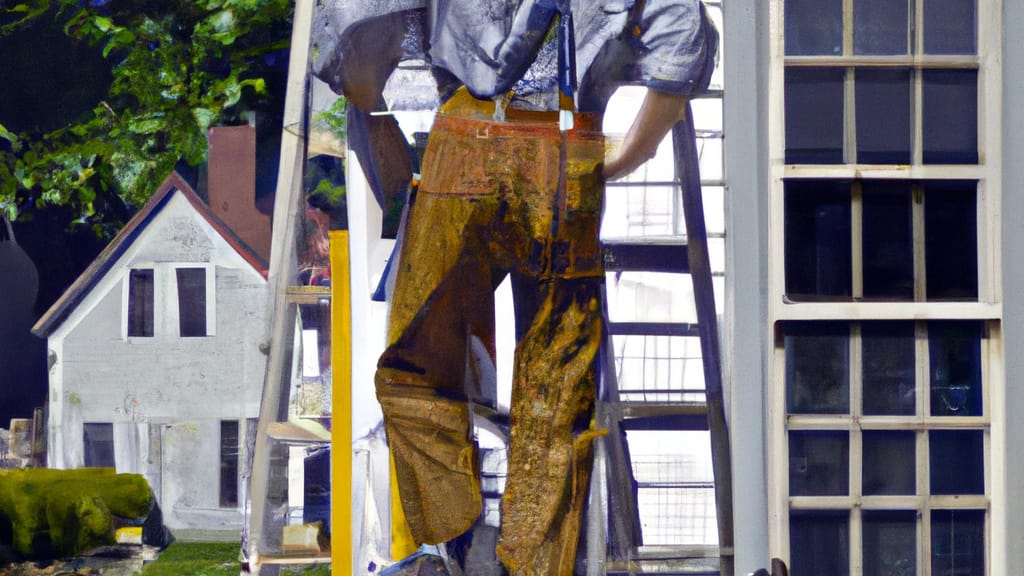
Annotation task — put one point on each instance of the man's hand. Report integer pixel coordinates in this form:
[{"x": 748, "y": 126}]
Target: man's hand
[{"x": 658, "y": 113}]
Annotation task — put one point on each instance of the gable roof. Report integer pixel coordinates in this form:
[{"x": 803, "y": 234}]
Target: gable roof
[{"x": 103, "y": 263}]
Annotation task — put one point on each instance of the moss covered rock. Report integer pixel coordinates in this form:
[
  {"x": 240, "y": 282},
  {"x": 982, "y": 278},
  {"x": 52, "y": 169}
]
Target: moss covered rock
[{"x": 64, "y": 512}]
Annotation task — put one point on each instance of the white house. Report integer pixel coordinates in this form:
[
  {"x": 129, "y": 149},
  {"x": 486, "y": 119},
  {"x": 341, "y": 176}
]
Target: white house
[{"x": 155, "y": 362}]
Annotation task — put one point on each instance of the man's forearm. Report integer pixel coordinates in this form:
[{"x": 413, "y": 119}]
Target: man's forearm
[{"x": 658, "y": 113}]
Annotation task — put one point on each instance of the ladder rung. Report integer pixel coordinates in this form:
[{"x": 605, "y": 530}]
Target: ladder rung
[
  {"x": 662, "y": 418},
  {"x": 653, "y": 329},
  {"x": 661, "y": 256}
]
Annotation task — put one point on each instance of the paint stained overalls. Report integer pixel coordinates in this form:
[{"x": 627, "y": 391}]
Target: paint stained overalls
[{"x": 490, "y": 204}]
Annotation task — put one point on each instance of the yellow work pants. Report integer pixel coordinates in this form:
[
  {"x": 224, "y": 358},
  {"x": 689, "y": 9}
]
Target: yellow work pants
[{"x": 489, "y": 205}]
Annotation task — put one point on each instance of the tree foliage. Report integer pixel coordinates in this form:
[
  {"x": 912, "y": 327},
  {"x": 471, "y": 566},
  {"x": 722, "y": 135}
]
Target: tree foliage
[{"x": 178, "y": 67}]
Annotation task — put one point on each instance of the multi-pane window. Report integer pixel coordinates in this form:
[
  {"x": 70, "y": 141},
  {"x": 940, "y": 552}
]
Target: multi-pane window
[
  {"x": 886, "y": 442},
  {"x": 140, "y": 302},
  {"x": 161, "y": 298},
  {"x": 909, "y": 240},
  {"x": 884, "y": 196},
  {"x": 881, "y": 82}
]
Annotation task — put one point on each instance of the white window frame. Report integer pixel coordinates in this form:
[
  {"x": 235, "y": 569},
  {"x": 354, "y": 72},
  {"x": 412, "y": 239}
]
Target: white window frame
[
  {"x": 211, "y": 295},
  {"x": 126, "y": 303},
  {"x": 987, "y": 308},
  {"x": 165, "y": 300}
]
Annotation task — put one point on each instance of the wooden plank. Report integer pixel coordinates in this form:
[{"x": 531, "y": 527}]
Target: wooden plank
[{"x": 292, "y": 433}]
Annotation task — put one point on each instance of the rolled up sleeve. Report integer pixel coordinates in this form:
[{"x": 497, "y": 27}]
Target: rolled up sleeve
[{"x": 678, "y": 46}]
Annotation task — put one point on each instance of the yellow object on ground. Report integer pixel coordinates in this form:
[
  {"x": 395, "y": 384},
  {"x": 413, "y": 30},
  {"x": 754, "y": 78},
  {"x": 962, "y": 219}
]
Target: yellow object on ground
[{"x": 129, "y": 535}]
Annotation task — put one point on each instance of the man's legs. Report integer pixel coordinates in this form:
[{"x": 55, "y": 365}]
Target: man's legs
[
  {"x": 443, "y": 295},
  {"x": 551, "y": 446}
]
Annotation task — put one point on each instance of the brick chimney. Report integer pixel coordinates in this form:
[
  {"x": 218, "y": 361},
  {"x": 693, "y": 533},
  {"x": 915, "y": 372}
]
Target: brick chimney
[{"x": 231, "y": 181}]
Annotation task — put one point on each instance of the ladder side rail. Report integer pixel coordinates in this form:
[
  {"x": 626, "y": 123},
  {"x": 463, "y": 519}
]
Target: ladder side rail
[
  {"x": 688, "y": 172},
  {"x": 625, "y": 531},
  {"x": 282, "y": 264}
]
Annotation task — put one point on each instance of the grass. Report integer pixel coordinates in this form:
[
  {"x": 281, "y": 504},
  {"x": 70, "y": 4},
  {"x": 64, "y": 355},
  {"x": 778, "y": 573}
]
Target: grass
[
  {"x": 211, "y": 559},
  {"x": 196, "y": 559}
]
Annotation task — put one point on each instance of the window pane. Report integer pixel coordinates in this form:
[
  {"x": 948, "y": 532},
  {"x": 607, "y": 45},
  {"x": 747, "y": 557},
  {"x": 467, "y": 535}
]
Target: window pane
[
  {"x": 949, "y": 27},
  {"x": 192, "y": 301},
  {"x": 889, "y": 462},
  {"x": 817, "y": 368},
  {"x": 958, "y": 542},
  {"x": 888, "y": 252},
  {"x": 819, "y": 463},
  {"x": 819, "y": 543},
  {"x": 890, "y": 543},
  {"x": 814, "y": 115},
  {"x": 883, "y": 116},
  {"x": 954, "y": 350},
  {"x": 888, "y": 368},
  {"x": 950, "y": 116},
  {"x": 316, "y": 492},
  {"x": 880, "y": 27},
  {"x": 641, "y": 296},
  {"x": 140, "y": 303},
  {"x": 814, "y": 27},
  {"x": 957, "y": 461},
  {"x": 98, "y": 440},
  {"x": 675, "y": 486},
  {"x": 642, "y": 210},
  {"x": 229, "y": 463},
  {"x": 658, "y": 368},
  {"x": 951, "y": 240},
  {"x": 817, "y": 239}
]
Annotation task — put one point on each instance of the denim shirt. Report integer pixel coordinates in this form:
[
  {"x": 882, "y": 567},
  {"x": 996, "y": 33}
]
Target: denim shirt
[{"x": 491, "y": 45}]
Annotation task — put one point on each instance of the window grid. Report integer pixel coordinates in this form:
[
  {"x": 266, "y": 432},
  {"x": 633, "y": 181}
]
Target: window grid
[
  {"x": 923, "y": 423},
  {"x": 939, "y": 519},
  {"x": 932, "y": 213},
  {"x": 917, "y": 60}
]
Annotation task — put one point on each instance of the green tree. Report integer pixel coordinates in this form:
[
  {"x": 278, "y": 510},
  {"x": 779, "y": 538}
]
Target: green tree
[{"x": 178, "y": 67}]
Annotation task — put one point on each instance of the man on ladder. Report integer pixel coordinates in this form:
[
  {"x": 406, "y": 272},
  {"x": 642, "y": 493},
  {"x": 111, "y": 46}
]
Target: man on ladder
[{"x": 512, "y": 184}]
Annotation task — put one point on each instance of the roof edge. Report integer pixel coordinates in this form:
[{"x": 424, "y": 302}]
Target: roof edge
[{"x": 101, "y": 265}]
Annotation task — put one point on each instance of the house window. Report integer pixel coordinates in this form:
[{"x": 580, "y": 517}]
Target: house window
[
  {"x": 905, "y": 240},
  {"x": 885, "y": 196},
  {"x": 865, "y": 86},
  {"x": 229, "y": 463},
  {"x": 98, "y": 440},
  {"x": 886, "y": 440},
  {"x": 191, "y": 301},
  {"x": 140, "y": 302}
]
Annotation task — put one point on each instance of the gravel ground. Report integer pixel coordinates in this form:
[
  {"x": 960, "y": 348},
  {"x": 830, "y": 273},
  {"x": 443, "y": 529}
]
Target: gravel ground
[{"x": 117, "y": 561}]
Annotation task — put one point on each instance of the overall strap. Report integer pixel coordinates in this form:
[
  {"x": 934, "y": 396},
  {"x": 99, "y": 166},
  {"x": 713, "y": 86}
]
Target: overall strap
[{"x": 633, "y": 29}]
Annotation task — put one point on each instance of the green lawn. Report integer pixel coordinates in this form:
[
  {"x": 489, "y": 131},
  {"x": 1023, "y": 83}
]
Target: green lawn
[
  {"x": 210, "y": 559},
  {"x": 196, "y": 559}
]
